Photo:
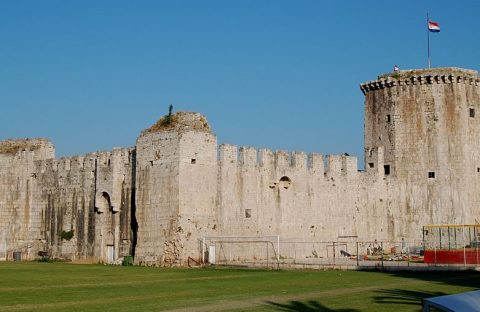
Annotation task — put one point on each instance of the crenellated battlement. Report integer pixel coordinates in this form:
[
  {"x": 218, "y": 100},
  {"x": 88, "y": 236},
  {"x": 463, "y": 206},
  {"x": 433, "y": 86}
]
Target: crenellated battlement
[
  {"x": 448, "y": 75},
  {"x": 249, "y": 157}
]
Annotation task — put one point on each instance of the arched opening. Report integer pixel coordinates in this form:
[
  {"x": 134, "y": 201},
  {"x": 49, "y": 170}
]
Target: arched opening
[
  {"x": 103, "y": 203},
  {"x": 285, "y": 182},
  {"x": 106, "y": 227}
]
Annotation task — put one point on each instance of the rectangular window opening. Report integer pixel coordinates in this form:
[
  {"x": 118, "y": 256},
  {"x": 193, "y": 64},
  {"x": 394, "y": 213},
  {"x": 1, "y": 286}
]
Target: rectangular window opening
[
  {"x": 478, "y": 169},
  {"x": 371, "y": 165},
  {"x": 248, "y": 213},
  {"x": 431, "y": 175},
  {"x": 472, "y": 112},
  {"x": 194, "y": 161},
  {"x": 386, "y": 168},
  {"x": 389, "y": 118}
]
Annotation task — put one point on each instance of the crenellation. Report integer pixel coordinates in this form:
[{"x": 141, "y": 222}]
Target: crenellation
[
  {"x": 334, "y": 166},
  {"x": 421, "y": 77},
  {"x": 266, "y": 158},
  {"x": 77, "y": 162},
  {"x": 282, "y": 159},
  {"x": 316, "y": 163},
  {"x": 248, "y": 156},
  {"x": 52, "y": 165},
  {"x": 122, "y": 156},
  {"x": 64, "y": 164},
  {"x": 228, "y": 154},
  {"x": 299, "y": 161},
  {"x": 349, "y": 165},
  {"x": 103, "y": 158}
]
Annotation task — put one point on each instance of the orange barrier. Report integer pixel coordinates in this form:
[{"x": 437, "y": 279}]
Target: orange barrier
[{"x": 459, "y": 256}]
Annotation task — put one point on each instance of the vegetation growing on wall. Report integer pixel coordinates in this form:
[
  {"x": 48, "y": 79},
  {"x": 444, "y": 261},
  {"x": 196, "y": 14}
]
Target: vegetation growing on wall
[
  {"x": 180, "y": 121},
  {"x": 66, "y": 235},
  {"x": 11, "y": 147}
]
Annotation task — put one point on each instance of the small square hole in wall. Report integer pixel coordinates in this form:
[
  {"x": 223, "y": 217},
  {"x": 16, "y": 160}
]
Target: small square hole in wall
[
  {"x": 478, "y": 169},
  {"x": 386, "y": 169},
  {"x": 371, "y": 165},
  {"x": 194, "y": 161},
  {"x": 248, "y": 213},
  {"x": 431, "y": 175},
  {"x": 472, "y": 112}
]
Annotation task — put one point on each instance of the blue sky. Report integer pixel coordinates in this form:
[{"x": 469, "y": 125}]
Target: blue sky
[{"x": 90, "y": 75}]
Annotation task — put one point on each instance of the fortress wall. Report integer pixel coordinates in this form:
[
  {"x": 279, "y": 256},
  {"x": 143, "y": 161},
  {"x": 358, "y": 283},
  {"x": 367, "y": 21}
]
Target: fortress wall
[
  {"x": 113, "y": 202},
  {"x": 176, "y": 188},
  {"x": 67, "y": 195},
  {"x": 64, "y": 195},
  {"x": 19, "y": 217},
  {"x": 289, "y": 194}
]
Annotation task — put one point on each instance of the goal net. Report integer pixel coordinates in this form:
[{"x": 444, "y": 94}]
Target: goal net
[{"x": 258, "y": 251}]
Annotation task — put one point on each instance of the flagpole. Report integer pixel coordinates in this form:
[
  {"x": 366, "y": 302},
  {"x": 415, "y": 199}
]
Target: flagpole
[{"x": 428, "y": 41}]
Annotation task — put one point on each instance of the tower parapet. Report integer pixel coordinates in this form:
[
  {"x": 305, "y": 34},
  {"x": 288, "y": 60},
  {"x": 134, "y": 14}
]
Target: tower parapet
[{"x": 447, "y": 75}]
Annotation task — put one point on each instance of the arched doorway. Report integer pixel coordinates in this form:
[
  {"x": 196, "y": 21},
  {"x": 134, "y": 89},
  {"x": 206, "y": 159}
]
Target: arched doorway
[{"x": 108, "y": 223}]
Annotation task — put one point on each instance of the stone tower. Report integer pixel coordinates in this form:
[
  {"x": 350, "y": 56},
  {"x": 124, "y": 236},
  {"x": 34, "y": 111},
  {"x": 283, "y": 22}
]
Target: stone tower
[
  {"x": 20, "y": 226},
  {"x": 428, "y": 123},
  {"x": 176, "y": 174}
]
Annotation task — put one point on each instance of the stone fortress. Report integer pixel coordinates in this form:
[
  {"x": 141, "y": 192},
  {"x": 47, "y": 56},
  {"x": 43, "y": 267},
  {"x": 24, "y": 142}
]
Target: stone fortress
[{"x": 157, "y": 200}]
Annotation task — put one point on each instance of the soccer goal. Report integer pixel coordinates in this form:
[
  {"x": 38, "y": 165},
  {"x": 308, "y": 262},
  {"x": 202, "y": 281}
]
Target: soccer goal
[
  {"x": 255, "y": 251},
  {"x": 3, "y": 246}
]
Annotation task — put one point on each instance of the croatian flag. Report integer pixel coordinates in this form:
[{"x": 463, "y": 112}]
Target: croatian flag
[{"x": 433, "y": 26}]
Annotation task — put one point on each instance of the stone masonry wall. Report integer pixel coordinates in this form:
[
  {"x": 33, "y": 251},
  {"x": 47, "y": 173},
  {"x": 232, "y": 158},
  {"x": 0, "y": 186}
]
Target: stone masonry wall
[
  {"x": 299, "y": 197},
  {"x": 20, "y": 217},
  {"x": 426, "y": 120},
  {"x": 161, "y": 199},
  {"x": 51, "y": 196}
]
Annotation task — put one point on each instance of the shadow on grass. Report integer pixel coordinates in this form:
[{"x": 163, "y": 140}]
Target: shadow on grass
[
  {"x": 452, "y": 278},
  {"x": 402, "y": 296},
  {"x": 469, "y": 279},
  {"x": 306, "y": 306}
]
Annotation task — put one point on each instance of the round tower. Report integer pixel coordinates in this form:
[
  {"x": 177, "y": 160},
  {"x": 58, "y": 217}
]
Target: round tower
[{"x": 428, "y": 123}]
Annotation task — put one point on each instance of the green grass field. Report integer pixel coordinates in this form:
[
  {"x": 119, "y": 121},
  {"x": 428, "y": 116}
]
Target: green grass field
[{"x": 30, "y": 286}]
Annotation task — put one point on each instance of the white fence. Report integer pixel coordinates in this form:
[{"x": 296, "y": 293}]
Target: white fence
[{"x": 274, "y": 252}]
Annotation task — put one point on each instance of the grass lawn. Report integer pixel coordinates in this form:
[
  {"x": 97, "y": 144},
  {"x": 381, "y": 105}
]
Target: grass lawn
[{"x": 31, "y": 286}]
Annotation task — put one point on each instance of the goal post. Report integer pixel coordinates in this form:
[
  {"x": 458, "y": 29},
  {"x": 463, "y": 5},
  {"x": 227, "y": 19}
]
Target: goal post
[
  {"x": 261, "y": 251},
  {"x": 3, "y": 246}
]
